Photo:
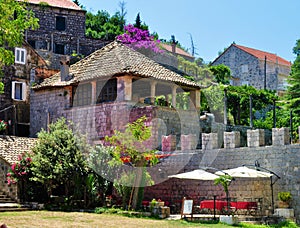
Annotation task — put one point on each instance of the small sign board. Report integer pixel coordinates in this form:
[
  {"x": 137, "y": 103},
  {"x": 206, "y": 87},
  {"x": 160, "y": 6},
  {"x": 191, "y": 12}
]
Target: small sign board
[{"x": 187, "y": 207}]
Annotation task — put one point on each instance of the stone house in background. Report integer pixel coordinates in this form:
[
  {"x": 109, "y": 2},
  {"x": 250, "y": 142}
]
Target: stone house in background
[
  {"x": 111, "y": 87},
  {"x": 61, "y": 31},
  {"x": 255, "y": 68}
]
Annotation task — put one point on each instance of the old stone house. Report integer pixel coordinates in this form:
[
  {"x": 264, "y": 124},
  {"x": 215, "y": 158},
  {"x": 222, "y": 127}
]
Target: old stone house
[
  {"x": 14, "y": 102},
  {"x": 111, "y": 87},
  {"x": 61, "y": 31},
  {"x": 255, "y": 68}
]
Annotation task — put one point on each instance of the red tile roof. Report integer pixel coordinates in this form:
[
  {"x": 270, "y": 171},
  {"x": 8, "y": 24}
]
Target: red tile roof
[
  {"x": 68, "y": 4},
  {"x": 262, "y": 54},
  {"x": 178, "y": 50}
]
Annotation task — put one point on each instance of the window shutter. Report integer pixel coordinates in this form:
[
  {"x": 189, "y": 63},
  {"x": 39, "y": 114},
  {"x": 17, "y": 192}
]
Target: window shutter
[
  {"x": 13, "y": 90},
  {"x": 24, "y": 90}
]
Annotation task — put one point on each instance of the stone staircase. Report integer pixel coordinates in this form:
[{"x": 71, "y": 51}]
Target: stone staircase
[{"x": 7, "y": 204}]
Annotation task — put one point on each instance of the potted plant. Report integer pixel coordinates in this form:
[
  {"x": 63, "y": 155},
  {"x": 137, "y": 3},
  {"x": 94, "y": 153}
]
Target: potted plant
[{"x": 284, "y": 199}]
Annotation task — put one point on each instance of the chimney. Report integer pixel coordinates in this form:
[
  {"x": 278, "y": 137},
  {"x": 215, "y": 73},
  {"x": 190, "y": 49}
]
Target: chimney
[
  {"x": 173, "y": 43},
  {"x": 64, "y": 68}
]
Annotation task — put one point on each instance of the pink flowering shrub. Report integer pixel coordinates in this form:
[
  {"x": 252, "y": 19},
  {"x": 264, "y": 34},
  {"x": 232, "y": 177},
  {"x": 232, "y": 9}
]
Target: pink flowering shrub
[
  {"x": 19, "y": 170},
  {"x": 138, "y": 38}
]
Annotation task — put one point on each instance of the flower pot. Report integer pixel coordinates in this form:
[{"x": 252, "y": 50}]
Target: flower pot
[{"x": 283, "y": 204}]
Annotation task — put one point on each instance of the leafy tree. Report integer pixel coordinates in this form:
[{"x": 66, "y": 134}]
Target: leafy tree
[
  {"x": 138, "y": 23},
  {"x": 14, "y": 20},
  {"x": 103, "y": 26},
  {"x": 293, "y": 93},
  {"x": 131, "y": 144},
  {"x": 225, "y": 181},
  {"x": 58, "y": 158},
  {"x": 221, "y": 73},
  {"x": 238, "y": 102}
]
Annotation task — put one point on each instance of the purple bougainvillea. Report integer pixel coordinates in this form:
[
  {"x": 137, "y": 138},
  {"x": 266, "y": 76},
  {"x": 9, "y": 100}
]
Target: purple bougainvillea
[{"x": 138, "y": 38}]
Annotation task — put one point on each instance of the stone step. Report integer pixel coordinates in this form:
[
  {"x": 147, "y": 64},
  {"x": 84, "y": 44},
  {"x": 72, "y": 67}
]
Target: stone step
[{"x": 12, "y": 207}]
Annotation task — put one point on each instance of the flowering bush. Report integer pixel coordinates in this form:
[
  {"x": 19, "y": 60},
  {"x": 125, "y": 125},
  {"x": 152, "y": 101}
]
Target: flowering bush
[
  {"x": 3, "y": 125},
  {"x": 138, "y": 38},
  {"x": 19, "y": 169}
]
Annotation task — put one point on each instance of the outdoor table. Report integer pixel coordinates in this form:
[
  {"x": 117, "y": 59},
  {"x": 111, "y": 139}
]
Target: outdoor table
[
  {"x": 251, "y": 207},
  {"x": 209, "y": 204}
]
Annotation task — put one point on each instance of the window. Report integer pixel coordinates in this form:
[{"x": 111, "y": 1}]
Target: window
[
  {"x": 60, "y": 23},
  {"x": 59, "y": 49},
  {"x": 244, "y": 68},
  {"x": 20, "y": 55},
  {"x": 31, "y": 43},
  {"x": 82, "y": 95},
  {"x": 18, "y": 91},
  {"x": 107, "y": 92}
]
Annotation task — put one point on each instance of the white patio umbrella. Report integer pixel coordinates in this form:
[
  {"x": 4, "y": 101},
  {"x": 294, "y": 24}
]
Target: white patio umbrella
[
  {"x": 197, "y": 174},
  {"x": 244, "y": 171}
]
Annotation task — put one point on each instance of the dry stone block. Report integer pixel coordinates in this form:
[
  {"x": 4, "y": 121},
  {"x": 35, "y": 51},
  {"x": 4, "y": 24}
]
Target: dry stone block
[
  {"x": 188, "y": 142},
  {"x": 232, "y": 139},
  {"x": 168, "y": 143},
  {"x": 256, "y": 138},
  {"x": 280, "y": 136},
  {"x": 209, "y": 141}
]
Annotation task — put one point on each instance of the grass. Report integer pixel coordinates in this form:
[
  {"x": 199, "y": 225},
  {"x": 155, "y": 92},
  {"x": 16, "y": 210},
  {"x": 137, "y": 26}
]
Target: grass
[{"x": 32, "y": 219}]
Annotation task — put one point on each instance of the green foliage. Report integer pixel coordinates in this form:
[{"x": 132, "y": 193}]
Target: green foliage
[
  {"x": 14, "y": 20},
  {"x": 138, "y": 23},
  {"x": 200, "y": 74},
  {"x": 225, "y": 181},
  {"x": 238, "y": 102},
  {"x": 284, "y": 196},
  {"x": 221, "y": 73},
  {"x": 103, "y": 26},
  {"x": 58, "y": 157},
  {"x": 131, "y": 143}
]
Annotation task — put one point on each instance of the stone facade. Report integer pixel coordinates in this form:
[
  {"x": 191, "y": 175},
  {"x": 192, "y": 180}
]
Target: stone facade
[
  {"x": 247, "y": 69},
  {"x": 51, "y": 40},
  {"x": 15, "y": 100}
]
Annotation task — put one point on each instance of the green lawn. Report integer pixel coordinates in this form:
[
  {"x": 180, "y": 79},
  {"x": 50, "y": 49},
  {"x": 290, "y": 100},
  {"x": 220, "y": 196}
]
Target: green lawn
[{"x": 82, "y": 219}]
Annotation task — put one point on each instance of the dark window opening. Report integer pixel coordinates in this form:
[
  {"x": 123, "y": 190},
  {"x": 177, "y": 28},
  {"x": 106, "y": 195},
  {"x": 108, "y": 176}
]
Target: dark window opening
[
  {"x": 107, "y": 91},
  {"x": 32, "y": 43},
  {"x": 18, "y": 91},
  {"x": 59, "y": 49},
  {"x": 60, "y": 23}
]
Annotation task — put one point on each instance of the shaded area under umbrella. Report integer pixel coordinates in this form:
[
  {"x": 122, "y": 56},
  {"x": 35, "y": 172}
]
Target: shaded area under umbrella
[
  {"x": 198, "y": 174},
  {"x": 245, "y": 172}
]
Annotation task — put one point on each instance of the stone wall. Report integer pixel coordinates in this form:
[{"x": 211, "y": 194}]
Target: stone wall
[
  {"x": 9, "y": 190},
  {"x": 283, "y": 160}
]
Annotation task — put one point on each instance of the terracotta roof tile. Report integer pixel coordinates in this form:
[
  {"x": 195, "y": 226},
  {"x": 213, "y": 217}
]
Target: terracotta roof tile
[
  {"x": 68, "y": 4},
  {"x": 178, "y": 50},
  {"x": 11, "y": 147},
  {"x": 117, "y": 59},
  {"x": 261, "y": 55}
]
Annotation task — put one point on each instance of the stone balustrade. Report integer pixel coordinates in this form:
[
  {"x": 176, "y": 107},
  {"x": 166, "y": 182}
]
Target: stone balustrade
[{"x": 255, "y": 138}]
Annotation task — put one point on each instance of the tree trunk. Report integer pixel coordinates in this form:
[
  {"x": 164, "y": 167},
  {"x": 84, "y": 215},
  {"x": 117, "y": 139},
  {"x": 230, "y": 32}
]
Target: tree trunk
[{"x": 137, "y": 183}]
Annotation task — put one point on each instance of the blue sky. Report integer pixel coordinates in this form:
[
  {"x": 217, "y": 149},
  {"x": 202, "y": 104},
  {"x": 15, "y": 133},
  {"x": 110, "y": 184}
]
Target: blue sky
[{"x": 267, "y": 25}]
